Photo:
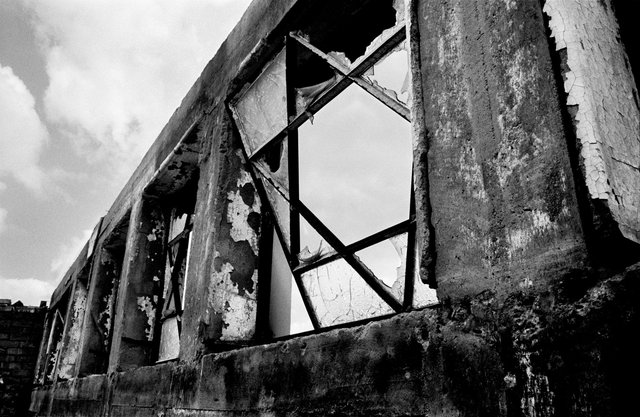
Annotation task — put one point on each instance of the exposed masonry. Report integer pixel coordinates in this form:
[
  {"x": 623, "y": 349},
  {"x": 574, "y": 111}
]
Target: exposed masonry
[{"x": 603, "y": 100}]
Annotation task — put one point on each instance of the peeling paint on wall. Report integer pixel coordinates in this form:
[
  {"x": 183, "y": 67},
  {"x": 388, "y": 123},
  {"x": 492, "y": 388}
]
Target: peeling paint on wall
[
  {"x": 242, "y": 203},
  {"x": 149, "y": 309},
  {"x": 239, "y": 310},
  {"x": 69, "y": 356},
  {"x": 602, "y": 91}
]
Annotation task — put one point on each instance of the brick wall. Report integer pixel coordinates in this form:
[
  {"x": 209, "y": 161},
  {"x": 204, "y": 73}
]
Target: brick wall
[{"x": 20, "y": 333}]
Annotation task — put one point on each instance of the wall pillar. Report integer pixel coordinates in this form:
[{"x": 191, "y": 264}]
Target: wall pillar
[{"x": 505, "y": 210}]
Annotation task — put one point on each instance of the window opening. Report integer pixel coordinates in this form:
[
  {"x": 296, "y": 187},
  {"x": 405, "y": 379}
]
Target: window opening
[
  {"x": 178, "y": 239},
  {"x": 338, "y": 178},
  {"x": 54, "y": 340},
  {"x": 98, "y": 324}
]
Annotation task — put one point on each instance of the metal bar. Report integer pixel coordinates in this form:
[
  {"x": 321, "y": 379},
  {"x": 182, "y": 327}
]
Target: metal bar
[
  {"x": 351, "y": 259},
  {"x": 377, "y": 92},
  {"x": 181, "y": 235},
  {"x": 175, "y": 275},
  {"x": 370, "y": 88},
  {"x": 363, "y": 64},
  {"x": 299, "y": 119},
  {"x": 59, "y": 315},
  {"x": 333, "y": 241},
  {"x": 409, "y": 274},
  {"x": 306, "y": 300},
  {"x": 294, "y": 192},
  {"x": 357, "y": 246}
]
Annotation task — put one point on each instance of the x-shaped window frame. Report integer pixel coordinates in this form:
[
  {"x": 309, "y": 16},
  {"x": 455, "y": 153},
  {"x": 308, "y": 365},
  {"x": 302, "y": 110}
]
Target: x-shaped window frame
[{"x": 347, "y": 75}]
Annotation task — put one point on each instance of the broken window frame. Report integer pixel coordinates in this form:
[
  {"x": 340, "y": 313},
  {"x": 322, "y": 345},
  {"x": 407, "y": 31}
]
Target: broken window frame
[
  {"x": 346, "y": 74},
  {"x": 51, "y": 355},
  {"x": 172, "y": 306},
  {"x": 176, "y": 264}
]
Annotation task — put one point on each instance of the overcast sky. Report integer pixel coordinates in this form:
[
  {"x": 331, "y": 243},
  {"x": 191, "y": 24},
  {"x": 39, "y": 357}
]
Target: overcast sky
[{"x": 85, "y": 88}]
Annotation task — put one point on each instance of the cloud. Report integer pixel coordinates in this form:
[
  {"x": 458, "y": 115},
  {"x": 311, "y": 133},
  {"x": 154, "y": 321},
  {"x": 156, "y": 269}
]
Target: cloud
[
  {"x": 22, "y": 133},
  {"x": 3, "y": 218},
  {"x": 68, "y": 253},
  {"x": 28, "y": 290},
  {"x": 119, "y": 68}
]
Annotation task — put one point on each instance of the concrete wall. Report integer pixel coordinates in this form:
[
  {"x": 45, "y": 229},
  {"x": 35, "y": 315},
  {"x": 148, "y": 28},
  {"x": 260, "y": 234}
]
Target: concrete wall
[
  {"x": 536, "y": 267},
  {"x": 20, "y": 332}
]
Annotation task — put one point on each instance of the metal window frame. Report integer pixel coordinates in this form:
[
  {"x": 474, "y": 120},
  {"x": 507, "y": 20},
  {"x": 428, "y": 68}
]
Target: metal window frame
[{"x": 347, "y": 75}]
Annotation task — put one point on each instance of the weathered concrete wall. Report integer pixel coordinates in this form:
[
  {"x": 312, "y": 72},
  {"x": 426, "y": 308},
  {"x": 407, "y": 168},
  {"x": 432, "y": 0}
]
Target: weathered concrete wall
[
  {"x": 566, "y": 352},
  {"x": 20, "y": 333},
  {"x": 531, "y": 322},
  {"x": 224, "y": 261},
  {"x": 503, "y": 204}
]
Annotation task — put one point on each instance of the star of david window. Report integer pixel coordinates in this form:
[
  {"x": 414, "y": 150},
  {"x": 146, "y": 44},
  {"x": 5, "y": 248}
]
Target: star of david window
[{"x": 329, "y": 141}]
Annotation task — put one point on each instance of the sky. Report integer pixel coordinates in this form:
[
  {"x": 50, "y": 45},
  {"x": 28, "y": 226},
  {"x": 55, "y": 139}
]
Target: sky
[{"x": 85, "y": 88}]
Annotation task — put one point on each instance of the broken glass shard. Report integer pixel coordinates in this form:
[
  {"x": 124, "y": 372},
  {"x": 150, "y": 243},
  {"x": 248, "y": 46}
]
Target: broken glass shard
[
  {"x": 399, "y": 6},
  {"x": 261, "y": 110},
  {"x": 355, "y": 165},
  {"x": 388, "y": 262},
  {"x": 311, "y": 78},
  {"x": 313, "y": 245},
  {"x": 391, "y": 74},
  {"x": 339, "y": 295},
  {"x": 274, "y": 164}
]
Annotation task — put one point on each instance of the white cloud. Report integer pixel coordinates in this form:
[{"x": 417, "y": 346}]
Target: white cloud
[
  {"x": 68, "y": 253},
  {"x": 22, "y": 133},
  {"x": 3, "y": 218},
  {"x": 28, "y": 290},
  {"x": 119, "y": 68}
]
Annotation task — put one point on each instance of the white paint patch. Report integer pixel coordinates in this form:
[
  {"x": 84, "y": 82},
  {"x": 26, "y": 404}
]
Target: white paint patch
[
  {"x": 238, "y": 311},
  {"x": 148, "y": 307},
  {"x": 540, "y": 224},
  {"x": 471, "y": 173},
  {"x": 239, "y": 317},
  {"x": 219, "y": 279},
  {"x": 602, "y": 87},
  {"x": 69, "y": 356},
  {"x": 238, "y": 214}
]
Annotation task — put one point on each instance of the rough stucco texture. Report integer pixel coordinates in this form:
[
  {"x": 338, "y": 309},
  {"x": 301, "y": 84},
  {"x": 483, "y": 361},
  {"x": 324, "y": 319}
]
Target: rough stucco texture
[
  {"x": 504, "y": 210},
  {"x": 603, "y": 99},
  {"x": 569, "y": 351}
]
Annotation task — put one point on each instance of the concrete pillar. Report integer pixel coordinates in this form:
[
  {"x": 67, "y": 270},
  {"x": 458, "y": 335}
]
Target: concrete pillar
[
  {"x": 222, "y": 281},
  {"x": 142, "y": 270},
  {"x": 99, "y": 315},
  {"x": 504, "y": 206}
]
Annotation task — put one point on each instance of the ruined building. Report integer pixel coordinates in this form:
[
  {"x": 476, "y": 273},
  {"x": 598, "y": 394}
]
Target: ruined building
[{"x": 373, "y": 207}]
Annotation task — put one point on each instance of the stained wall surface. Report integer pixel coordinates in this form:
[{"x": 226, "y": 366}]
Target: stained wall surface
[{"x": 524, "y": 223}]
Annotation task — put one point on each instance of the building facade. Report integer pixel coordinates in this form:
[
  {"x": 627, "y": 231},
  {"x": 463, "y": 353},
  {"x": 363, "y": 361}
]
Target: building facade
[{"x": 373, "y": 207}]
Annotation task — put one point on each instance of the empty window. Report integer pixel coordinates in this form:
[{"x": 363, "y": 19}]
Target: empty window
[
  {"x": 178, "y": 225},
  {"x": 328, "y": 134},
  {"x": 54, "y": 340}
]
